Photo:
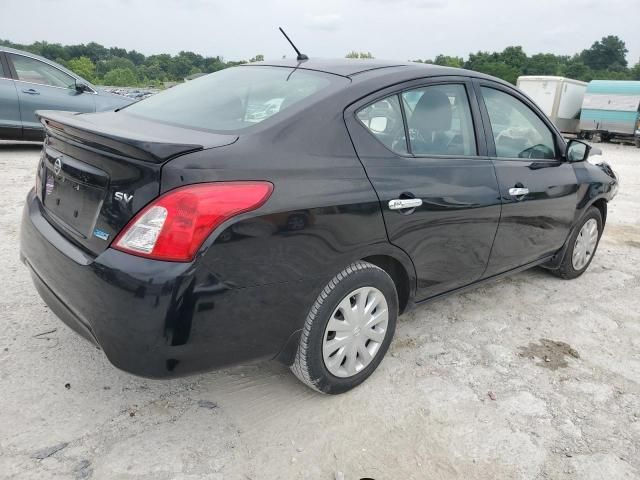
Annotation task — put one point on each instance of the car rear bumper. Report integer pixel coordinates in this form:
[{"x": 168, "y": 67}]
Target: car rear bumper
[{"x": 158, "y": 319}]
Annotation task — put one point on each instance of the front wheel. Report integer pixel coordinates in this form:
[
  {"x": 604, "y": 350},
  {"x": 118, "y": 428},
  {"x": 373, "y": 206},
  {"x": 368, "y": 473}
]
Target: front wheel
[
  {"x": 348, "y": 329},
  {"x": 583, "y": 245}
]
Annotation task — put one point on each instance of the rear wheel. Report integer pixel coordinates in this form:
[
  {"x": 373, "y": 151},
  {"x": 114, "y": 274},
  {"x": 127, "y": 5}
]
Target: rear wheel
[
  {"x": 348, "y": 329},
  {"x": 583, "y": 245}
]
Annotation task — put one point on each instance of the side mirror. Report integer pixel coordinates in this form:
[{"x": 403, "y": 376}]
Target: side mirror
[
  {"x": 82, "y": 87},
  {"x": 578, "y": 151}
]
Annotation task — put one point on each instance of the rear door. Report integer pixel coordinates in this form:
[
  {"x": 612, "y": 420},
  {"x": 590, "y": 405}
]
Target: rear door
[
  {"x": 423, "y": 148},
  {"x": 537, "y": 187},
  {"x": 42, "y": 86},
  {"x": 10, "y": 123}
]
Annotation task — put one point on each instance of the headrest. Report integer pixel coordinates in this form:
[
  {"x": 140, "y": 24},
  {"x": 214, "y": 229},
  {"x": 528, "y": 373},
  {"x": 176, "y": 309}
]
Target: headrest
[{"x": 433, "y": 112}]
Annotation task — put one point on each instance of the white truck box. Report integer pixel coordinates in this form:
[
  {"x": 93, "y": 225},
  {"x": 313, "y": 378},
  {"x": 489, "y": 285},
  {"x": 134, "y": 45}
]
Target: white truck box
[{"x": 558, "y": 97}]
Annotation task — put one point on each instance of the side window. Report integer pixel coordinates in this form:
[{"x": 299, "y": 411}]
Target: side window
[
  {"x": 34, "y": 71},
  {"x": 439, "y": 120},
  {"x": 517, "y": 131},
  {"x": 384, "y": 120}
]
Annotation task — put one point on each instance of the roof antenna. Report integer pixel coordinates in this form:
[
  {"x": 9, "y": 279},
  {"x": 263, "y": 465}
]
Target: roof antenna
[{"x": 301, "y": 56}]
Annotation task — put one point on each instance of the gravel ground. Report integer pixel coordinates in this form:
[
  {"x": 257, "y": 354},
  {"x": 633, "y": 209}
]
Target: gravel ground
[{"x": 528, "y": 377}]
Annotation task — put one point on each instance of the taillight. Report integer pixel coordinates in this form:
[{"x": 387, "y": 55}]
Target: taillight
[{"x": 174, "y": 226}]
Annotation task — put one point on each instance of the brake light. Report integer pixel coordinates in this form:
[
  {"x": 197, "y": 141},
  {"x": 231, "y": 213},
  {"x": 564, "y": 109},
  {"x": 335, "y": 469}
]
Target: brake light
[{"x": 174, "y": 226}]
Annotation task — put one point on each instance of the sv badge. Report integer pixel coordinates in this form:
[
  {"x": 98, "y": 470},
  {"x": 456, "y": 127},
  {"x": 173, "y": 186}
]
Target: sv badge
[{"x": 124, "y": 197}]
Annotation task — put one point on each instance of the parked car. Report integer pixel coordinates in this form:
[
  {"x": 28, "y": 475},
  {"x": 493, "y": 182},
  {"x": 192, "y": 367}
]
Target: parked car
[
  {"x": 179, "y": 235},
  {"x": 611, "y": 109},
  {"x": 559, "y": 98},
  {"x": 29, "y": 83}
]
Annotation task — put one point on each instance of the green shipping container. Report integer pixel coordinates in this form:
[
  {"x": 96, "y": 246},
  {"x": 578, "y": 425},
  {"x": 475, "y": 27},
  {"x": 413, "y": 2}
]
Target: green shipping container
[{"x": 612, "y": 108}]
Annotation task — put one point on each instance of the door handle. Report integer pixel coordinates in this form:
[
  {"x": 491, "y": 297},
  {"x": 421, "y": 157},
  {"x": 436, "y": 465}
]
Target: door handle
[
  {"x": 404, "y": 203},
  {"x": 518, "y": 191},
  {"x": 31, "y": 91}
]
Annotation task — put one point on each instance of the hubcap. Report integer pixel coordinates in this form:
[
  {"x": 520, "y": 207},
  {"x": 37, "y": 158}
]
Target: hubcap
[
  {"x": 355, "y": 332},
  {"x": 585, "y": 244}
]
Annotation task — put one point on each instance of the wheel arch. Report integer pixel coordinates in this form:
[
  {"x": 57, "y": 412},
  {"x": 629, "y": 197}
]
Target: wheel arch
[
  {"x": 601, "y": 204},
  {"x": 398, "y": 274},
  {"x": 386, "y": 256}
]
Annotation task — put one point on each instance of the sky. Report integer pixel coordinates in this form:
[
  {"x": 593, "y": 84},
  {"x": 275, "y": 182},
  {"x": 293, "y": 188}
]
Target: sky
[{"x": 389, "y": 29}]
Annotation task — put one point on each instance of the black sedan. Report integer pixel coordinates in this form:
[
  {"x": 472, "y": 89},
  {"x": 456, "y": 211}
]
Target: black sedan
[{"x": 293, "y": 210}]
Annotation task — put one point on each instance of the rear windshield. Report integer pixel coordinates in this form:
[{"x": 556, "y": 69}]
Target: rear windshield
[{"x": 234, "y": 98}]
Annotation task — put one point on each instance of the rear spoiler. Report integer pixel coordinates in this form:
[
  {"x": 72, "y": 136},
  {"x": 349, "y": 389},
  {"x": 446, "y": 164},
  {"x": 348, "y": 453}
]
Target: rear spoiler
[{"x": 128, "y": 135}]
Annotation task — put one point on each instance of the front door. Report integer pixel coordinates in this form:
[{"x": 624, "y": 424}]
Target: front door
[
  {"x": 537, "y": 186},
  {"x": 44, "y": 87},
  {"x": 423, "y": 148}
]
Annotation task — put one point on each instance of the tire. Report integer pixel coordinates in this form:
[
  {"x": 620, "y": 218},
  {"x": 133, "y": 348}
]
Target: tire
[
  {"x": 360, "y": 281},
  {"x": 568, "y": 268}
]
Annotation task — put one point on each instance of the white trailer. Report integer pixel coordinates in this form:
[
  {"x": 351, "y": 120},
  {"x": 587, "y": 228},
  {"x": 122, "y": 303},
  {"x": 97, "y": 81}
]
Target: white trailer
[{"x": 558, "y": 97}]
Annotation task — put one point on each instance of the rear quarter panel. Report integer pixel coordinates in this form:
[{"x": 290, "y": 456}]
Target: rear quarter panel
[
  {"x": 322, "y": 210},
  {"x": 323, "y": 214}
]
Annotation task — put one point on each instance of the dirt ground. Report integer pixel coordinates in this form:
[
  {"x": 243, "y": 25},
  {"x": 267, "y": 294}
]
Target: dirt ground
[{"x": 528, "y": 377}]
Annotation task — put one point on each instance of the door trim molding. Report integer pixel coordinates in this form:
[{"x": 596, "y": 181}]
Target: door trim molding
[
  {"x": 11, "y": 133},
  {"x": 497, "y": 276}
]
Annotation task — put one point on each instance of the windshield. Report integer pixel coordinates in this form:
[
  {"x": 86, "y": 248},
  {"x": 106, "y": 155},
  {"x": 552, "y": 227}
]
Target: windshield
[{"x": 233, "y": 98}]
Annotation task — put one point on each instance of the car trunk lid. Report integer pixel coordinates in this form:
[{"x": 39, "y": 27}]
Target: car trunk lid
[{"x": 98, "y": 170}]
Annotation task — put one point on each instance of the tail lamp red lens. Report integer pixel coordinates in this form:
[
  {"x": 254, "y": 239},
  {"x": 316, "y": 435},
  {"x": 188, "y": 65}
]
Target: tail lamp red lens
[{"x": 174, "y": 226}]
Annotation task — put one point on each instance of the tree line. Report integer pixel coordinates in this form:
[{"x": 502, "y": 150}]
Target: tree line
[
  {"x": 121, "y": 67},
  {"x": 605, "y": 59}
]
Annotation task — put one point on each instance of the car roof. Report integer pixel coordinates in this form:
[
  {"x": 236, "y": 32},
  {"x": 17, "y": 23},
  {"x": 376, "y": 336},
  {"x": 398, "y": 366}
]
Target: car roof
[
  {"x": 348, "y": 67},
  {"x": 343, "y": 66}
]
